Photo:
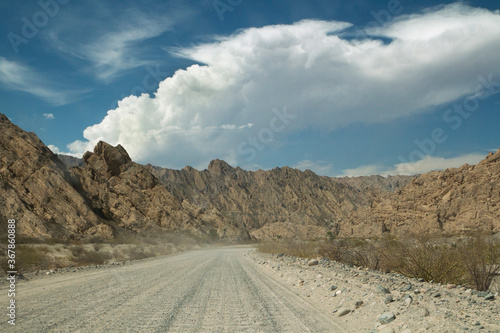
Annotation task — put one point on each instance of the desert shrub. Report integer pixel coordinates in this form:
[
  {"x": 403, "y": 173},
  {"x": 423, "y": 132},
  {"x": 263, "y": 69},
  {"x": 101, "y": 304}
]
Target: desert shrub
[
  {"x": 29, "y": 258},
  {"x": 423, "y": 257},
  {"x": 297, "y": 248},
  {"x": 23, "y": 239},
  {"x": 355, "y": 252},
  {"x": 137, "y": 253},
  {"x": 475, "y": 261},
  {"x": 86, "y": 257},
  {"x": 366, "y": 255},
  {"x": 481, "y": 258},
  {"x": 331, "y": 250}
]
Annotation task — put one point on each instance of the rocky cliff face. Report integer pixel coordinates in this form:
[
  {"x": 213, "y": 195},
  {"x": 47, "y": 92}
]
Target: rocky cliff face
[
  {"x": 452, "y": 201},
  {"x": 281, "y": 202},
  {"x": 37, "y": 190},
  {"x": 376, "y": 184}
]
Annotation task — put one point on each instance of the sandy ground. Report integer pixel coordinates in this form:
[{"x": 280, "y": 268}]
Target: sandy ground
[
  {"x": 336, "y": 289},
  {"x": 211, "y": 290}
]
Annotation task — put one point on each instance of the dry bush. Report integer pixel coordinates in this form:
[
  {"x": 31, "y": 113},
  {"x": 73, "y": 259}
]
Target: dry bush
[
  {"x": 29, "y": 258},
  {"x": 86, "y": 257},
  {"x": 297, "y": 248},
  {"x": 364, "y": 256},
  {"x": 475, "y": 261},
  {"x": 137, "y": 252},
  {"x": 481, "y": 258},
  {"x": 331, "y": 250},
  {"x": 423, "y": 257},
  {"x": 355, "y": 252}
]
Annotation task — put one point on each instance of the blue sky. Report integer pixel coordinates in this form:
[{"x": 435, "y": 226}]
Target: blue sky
[{"x": 338, "y": 87}]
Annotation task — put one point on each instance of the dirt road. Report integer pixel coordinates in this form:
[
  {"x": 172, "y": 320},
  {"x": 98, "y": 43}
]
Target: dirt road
[{"x": 212, "y": 290}]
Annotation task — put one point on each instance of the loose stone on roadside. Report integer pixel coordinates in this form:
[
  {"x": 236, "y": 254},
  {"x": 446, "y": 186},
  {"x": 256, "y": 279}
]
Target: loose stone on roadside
[
  {"x": 424, "y": 312},
  {"x": 343, "y": 312},
  {"x": 383, "y": 290},
  {"x": 386, "y": 317},
  {"x": 358, "y": 304}
]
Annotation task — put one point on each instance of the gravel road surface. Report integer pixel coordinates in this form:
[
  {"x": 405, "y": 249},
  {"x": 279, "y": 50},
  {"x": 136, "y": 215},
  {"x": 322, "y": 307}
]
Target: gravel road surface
[{"x": 210, "y": 290}]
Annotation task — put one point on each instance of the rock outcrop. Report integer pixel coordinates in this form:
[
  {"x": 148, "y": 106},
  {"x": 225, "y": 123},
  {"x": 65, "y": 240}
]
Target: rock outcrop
[
  {"x": 263, "y": 203},
  {"x": 37, "y": 190},
  {"x": 453, "y": 201}
]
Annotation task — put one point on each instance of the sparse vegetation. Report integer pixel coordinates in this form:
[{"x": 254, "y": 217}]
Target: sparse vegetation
[
  {"x": 474, "y": 261},
  {"x": 481, "y": 259},
  {"x": 83, "y": 256},
  {"x": 30, "y": 258},
  {"x": 423, "y": 257},
  {"x": 298, "y": 248}
]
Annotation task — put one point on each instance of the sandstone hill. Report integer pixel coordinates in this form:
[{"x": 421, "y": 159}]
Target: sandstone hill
[{"x": 453, "y": 201}]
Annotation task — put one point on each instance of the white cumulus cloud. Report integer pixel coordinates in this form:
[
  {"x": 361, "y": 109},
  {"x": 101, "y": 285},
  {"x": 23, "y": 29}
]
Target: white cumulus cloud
[
  {"x": 324, "y": 80},
  {"x": 49, "y": 116}
]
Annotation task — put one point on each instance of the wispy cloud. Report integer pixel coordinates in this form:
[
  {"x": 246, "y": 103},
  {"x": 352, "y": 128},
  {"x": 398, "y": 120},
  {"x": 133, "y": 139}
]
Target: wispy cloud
[
  {"x": 431, "y": 163},
  {"x": 17, "y": 76},
  {"x": 426, "y": 164},
  {"x": 111, "y": 46},
  {"x": 319, "y": 167},
  {"x": 364, "y": 170},
  {"x": 49, "y": 116}
]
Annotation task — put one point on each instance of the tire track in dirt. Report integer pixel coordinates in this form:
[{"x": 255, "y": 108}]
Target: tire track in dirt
[{"x": 211, "y": 290}]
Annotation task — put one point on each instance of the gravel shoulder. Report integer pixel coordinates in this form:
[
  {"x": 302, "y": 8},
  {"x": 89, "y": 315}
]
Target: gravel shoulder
[
  {"x": 356, "y": 298},
  {"x": 210, "y": 290}
]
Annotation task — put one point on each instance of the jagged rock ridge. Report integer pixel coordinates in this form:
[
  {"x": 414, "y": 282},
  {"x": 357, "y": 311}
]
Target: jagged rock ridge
[{"x": 110, "y": 193}]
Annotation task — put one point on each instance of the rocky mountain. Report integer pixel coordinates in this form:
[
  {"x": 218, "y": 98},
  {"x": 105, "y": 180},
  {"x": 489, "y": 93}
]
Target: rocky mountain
[
  {"x": 106, "y": 195},
  {"x": 110, "y": 193},
  {"x": 376, "y": 184},
  {"x": 453, "y": 201},
  {"x": 38, "y": 191},
  {"x": 281, "y": 202}
]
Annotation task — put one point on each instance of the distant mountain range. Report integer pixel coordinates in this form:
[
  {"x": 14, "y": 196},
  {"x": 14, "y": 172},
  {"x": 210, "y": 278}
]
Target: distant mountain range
[{"x": 106, "y": 194}]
